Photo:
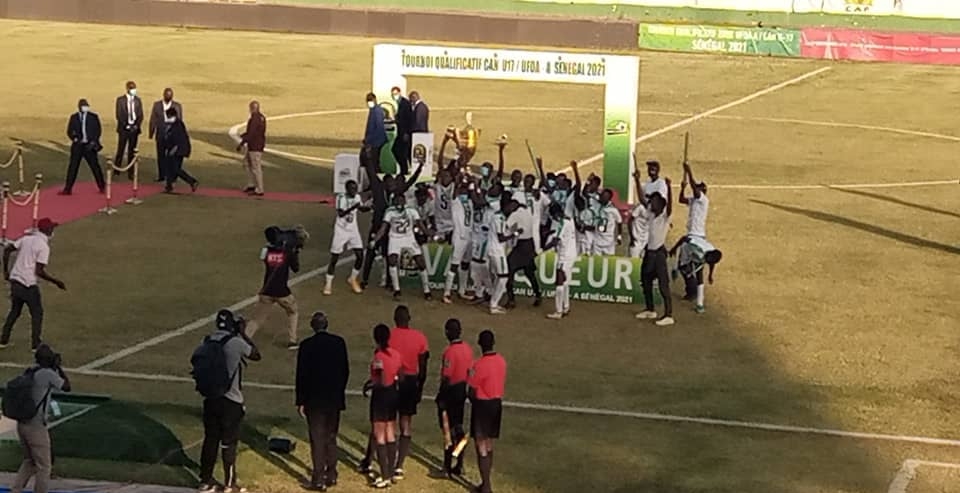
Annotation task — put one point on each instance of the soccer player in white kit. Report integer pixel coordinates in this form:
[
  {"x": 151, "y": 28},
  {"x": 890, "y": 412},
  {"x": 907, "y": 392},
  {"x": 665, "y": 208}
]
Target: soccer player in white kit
[
  {"x": 401, "y": 221},
  {"x": 699, "y": 204},
  {"x": 565, "y": 242},
  {"x": 639, "y": 219},
  {"x": 485, "y": 206},
  {"x": 444, "y": 194},
  {"x": 461, "y": 208},
  {"x": 346, "y": 236},
  {"x": 608, "y": 225},
  {"x": 498, "y": 239}
]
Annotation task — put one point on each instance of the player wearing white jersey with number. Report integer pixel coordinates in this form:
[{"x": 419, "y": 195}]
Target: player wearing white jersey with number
[
  {"x": 499, "y": 238},
  {"x": 346, "y": 236},
  {"x": 699, "y": 204},
  {"x": 402, "y": 222},
  {"x": 443, "y": 197},
  {"x": 461, "y": 208},
  {"x": 486, "y": 206},
  {"x": 564, "y": 241},
  {"x": 607, "y": 225}
]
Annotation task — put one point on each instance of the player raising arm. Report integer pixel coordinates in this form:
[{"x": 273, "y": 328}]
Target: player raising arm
[
  {"x": 564, "y": 241},
  {"x": 698, "y": 203}
]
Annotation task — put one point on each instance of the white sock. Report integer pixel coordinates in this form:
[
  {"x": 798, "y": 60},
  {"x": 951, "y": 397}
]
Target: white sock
[
  {"x": 329, "y": 280},
  {"x": 355, "y": 273},
  {"x": 395, "y": 277},
  {"x": 700, "y": 291},
  {"x": 425, "y": 280},
  {"x": 464, "y": 278},
  {"x": 383, "y": 274},
  {"x": 448, "y": 287},
  {"x": 498, "y": 291},
  {"x": 479, "y": 287},
  {"x": 558, "y": 298},
  {"x": 566, "y": 299}
]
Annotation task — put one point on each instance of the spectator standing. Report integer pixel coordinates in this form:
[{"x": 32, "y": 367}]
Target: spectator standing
[
  {"x": 322, "y": 372},
  {"x": 421, "y": 113},
  {"x": 375, "y": 136},
  {"x": 44, "y": 378},
  {"x": 157, "y": 124},
  {"x": 129, "y": 121},
  {"x": 223, "y": 408},
  {"x": 84, "y": 130},
  {"x": 33, "y": 254},
  {"x": 278, "y": 260},
  {"x": 255, "y": 139},
  {"x": 176, "y": 148},
  {"x": 404, "y": 139}
]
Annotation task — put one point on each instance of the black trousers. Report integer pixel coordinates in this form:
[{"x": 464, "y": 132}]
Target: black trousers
[
  {"x": 160, "y": 171},
  {"x": 173, "y": 169},
  {"x": 654, "y": 266},
  {"x": 401, "y": 153},
  {"x": 221, "y": 431},
  {"x": 126, "y": 140},
  {"x": 83, "y": 151},
  {"x": 368, "y": 155},
  {"x": 372, "y": 252},
  {"x": 324, "y": 425},
  {"x": 523, "y": 257},
  {"x": 21, "y": 295}
]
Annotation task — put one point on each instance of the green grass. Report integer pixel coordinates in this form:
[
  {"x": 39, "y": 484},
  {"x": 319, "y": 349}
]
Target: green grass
[
  {"x": 833, "y": 308},
  {"x": 655, "y": 14}
]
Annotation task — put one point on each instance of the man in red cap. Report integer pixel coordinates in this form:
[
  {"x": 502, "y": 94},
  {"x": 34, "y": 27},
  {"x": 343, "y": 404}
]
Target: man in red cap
[{"x": 33, "y": 254}]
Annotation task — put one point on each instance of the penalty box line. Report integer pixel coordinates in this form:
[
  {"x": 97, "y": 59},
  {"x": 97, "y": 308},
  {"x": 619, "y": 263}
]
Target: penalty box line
[
  {"x": 908, "y": 471},
  {"x": 196, "y": 324},
  {"x": 583, "y": 411}
]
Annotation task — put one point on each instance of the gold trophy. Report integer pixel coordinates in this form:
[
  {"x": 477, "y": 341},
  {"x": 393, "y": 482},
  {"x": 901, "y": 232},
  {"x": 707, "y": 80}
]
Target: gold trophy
[{"x": 466, "y": 139}]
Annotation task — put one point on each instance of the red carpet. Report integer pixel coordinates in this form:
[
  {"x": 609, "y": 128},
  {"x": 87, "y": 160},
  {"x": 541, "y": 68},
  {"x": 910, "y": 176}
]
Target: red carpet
[{"x": 86, "y": 201}]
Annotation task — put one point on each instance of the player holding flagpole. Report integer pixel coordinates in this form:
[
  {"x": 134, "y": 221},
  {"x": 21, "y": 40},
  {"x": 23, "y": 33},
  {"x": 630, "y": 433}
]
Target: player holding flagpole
[
  {"x": 698, "y": 204},
  {"x": 346, "y": 235},
  {"x": 401, "y": 221}
]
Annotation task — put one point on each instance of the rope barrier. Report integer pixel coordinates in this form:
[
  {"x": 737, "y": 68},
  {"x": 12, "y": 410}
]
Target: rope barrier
[
  {"x": 7, "y": 198},
  {"x": 134, "y": 163},
  {"x": 18, "y": 157},
  {"x": 17, "y": 151}
]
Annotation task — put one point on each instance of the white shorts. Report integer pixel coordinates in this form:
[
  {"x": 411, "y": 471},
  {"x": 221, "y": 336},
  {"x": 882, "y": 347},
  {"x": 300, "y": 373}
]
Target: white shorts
[
  {"x": 565, "y": 265},
  {"x": 396, "y": 246},
  {"x": 461, "y": 251},
  {"x": 479, "y": 249},
  {"x": 637, "y": 250},
  {"x": 584, "y": 243},
  {"x": 345, "y": 240},
  {"x": 604, "y": 249},
  {"x": 498, "y": 264}
]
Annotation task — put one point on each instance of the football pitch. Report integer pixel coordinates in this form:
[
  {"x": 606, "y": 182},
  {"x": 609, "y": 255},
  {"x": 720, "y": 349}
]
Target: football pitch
[{"x": 825, "y": 361}]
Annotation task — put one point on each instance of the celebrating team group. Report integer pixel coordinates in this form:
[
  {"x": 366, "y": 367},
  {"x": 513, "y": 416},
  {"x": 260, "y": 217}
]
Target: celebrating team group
[{"x": 497, "y": 230}]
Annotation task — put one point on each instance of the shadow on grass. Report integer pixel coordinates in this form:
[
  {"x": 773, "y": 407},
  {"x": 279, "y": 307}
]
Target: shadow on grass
[
  {"x": 329, "y": 142},
  {"x": 894, "y": 200},
  {"x": 869, "y": 228},
  {"x": 251, "y": 435}
]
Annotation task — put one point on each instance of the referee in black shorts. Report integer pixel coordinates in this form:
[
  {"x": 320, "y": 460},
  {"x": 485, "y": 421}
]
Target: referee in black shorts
[
  {"x": 486, "y": 382},
  {"x": 384, "y": 370},
  {"x": 523, "y": 257},
  {"x": 452, "y": 396}
]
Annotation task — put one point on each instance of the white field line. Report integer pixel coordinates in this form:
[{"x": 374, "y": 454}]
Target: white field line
[
  {"x": 585, "y": 411},
  {"x": 196, "y": 324},
  {"x": 908, "y": 471},
  {"x": 71, "y": 417}
]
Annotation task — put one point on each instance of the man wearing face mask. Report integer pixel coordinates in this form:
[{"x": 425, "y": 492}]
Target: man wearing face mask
[
  {"x": 158, "y": 121},
  {"x": 129, "y": 120},
  {"x": 375, "y": 136},
  {"x": 404, "y": 138},
  {"x": 84, "y": 131},
  {"x": 176, "y": 147}
]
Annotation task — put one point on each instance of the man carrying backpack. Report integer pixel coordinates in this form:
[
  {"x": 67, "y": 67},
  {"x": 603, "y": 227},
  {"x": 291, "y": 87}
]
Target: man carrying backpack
[
  {"x": 26, "y": 400},
  {"x": 218, "y": 371}
]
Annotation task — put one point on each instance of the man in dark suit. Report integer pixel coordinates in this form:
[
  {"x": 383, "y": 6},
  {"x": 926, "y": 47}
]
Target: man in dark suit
[
  {"x": 129, "y": 120},
  {"x": 84, "y": 131},
  {"x": 421, "y": 113},
  {"x": 403, "y": 140},
  {"x": 157, "y": 122},
  {"x": 175, "y": 147},
  {"x": 322, "y": 374}
]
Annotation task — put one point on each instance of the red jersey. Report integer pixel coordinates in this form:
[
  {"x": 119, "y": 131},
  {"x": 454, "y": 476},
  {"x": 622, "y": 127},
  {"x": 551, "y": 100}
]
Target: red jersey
[
  {"x": 410, "y": 343},
  {"x": 457, "y": 360},
  {"x": 387, "y": 363},
  {"x": 488, "y": 376}
]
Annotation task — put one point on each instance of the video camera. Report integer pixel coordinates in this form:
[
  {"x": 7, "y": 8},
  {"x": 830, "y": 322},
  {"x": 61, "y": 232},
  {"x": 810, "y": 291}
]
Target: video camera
[{"x": 294, "y": 238}]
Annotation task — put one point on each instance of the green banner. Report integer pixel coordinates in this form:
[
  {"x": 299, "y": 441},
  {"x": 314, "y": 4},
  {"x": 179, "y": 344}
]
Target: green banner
[
  {"x": 718, "y": 39},
  {"x": 594, "y": 278}
]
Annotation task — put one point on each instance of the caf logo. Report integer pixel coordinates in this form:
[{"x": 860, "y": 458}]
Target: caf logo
[{"x": 420, "y": 152}]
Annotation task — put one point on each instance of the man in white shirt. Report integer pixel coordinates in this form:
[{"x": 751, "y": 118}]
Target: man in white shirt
[
  {"x": 699, "y": 204},
  {"x": 33, "y": 254},
  {"x": 565, "y": 242},
  {"x": 654, "y": 265},
  {"x": 523, "y": 257},
  {"x": 656, "y": 184},
  {"x": 401, "y": 221}
]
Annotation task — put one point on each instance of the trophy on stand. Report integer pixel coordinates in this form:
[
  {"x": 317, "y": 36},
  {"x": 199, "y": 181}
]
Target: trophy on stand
[{"x": 466, "y": 139}]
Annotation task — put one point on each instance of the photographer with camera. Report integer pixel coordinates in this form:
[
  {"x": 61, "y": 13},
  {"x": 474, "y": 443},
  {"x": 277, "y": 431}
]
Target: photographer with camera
[
  {"x": 280, "y": 256},
  {"x": 27, "y": 399},
  {"x": 218, "y": 372}
]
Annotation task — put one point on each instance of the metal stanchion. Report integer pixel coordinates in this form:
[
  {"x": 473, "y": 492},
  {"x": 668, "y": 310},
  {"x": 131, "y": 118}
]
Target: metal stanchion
[
  {"x": 4, "y": 196},
  {"x": 135, "y": 200},
  {"x": 20, "y": 191},
  {"x": 108, "y": 209},
  {"x": 36, "y": 200}
]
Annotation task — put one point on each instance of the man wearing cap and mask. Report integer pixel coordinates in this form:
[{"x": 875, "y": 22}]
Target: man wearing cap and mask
[
  {"x": 322, "y": 373},
  {"x": 33, "y": 254},
  {"x": 84, "y": 131}
]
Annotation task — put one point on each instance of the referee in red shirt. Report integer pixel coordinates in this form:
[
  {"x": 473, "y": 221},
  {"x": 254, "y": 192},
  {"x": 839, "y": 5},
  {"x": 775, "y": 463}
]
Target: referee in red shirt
[
  {"x": 384, "y": 369},
  {"x": 486, "y": 381},
  {"x": 414, "y": 353},
  {"x": 457, "y": 360}
]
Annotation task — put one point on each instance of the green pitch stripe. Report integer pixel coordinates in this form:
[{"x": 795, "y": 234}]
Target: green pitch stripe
[{"x": 655, "y": 14}]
